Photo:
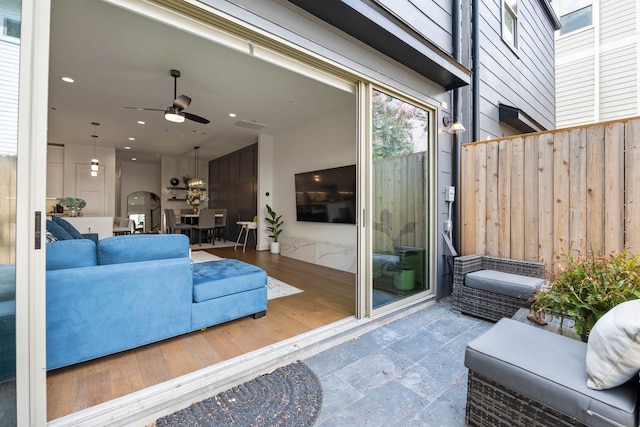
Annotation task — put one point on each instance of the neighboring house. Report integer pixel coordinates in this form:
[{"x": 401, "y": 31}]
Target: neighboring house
[
  {"x": 491, "y": 67},
  {"x": 597, "y": 61}
]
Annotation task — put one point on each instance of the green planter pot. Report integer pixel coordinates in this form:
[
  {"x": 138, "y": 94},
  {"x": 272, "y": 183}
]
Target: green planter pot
[{"x": 404, "y": 280}]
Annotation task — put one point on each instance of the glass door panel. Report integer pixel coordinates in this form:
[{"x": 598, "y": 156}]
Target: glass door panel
[
  {"x": 400, "y": 142},
  {"x": 10, "y": 25}
]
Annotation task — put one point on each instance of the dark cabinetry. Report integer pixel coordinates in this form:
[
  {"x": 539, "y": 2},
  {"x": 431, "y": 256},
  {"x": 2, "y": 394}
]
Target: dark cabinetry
[{"x": 233, "y": 184}]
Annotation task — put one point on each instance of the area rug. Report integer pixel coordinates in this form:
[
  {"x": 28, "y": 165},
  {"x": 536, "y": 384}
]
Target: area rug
[
  {"x": 289, "y": 396},
  {"x": 275, "y": 288}
]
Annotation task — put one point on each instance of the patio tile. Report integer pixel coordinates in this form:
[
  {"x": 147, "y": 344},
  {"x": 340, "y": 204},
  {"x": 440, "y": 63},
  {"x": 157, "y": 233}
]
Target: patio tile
[
  {"x": 374, "y": 370},
  {"x": 337, "y": 395},
  {"x": 409, "y": 372},
  {"x": 330, "y": 360},
  {"x": 389, "y": 405},
  {"x": 371, "y": 341}
]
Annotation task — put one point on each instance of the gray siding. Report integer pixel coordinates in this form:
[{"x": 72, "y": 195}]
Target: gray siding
[
  {"x": 431, "y": 19},
  {"x": 523, "y": 78}
]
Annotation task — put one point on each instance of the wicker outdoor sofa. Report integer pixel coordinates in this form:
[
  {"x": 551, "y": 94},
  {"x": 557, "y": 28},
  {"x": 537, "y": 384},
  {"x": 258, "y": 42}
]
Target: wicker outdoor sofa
[
  {"x": 523, "y": 376},
  {"x": 485, "y": 304}
]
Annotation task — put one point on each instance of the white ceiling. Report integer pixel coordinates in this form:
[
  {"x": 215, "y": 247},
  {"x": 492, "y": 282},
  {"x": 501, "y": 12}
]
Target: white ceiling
[{"x": 120, "y": 59}]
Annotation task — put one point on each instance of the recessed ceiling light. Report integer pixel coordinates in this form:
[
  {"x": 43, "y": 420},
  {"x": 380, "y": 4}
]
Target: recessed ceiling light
[
  {"x": 131, "y": 138},
  {"x": 232, "y": 114},
  {"x": 140, "y": 122},
  {"x": 68, "y": 79},
  {"x": 134, "y": 159},
  {"x": 127, "y": 148}
]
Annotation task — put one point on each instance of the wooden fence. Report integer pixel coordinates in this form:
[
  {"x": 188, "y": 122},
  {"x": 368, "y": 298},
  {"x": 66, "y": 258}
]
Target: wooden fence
[
  {"x": 399, "y": 189},
  {"x": 7, "y": 209},
  {"x": 535, "y": 197}
]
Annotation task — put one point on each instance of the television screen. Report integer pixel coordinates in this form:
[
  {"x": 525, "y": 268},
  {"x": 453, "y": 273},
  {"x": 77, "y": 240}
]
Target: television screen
[{"x": 327, "y": 195}]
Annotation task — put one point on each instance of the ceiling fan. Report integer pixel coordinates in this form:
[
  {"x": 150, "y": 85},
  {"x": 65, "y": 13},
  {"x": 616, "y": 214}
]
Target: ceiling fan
[{"x": 176, "y": 113}]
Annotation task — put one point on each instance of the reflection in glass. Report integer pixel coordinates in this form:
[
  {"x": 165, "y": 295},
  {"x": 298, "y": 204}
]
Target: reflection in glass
[
  {"x": 400, "y": 133},
  {"x": 10, "y": 11}
]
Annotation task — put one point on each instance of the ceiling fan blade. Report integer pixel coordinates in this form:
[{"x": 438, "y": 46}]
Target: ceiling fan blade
[
  {"x": 182, "y": 102},
  {"x": 144, "y": 109},
  {"x": 195, "y": 118}
]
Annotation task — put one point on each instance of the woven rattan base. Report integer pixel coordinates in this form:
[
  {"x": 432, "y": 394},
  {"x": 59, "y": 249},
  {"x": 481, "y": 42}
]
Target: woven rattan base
[
  {"x": 484, "y": 304},
  {"x": 492, "y": 405}
]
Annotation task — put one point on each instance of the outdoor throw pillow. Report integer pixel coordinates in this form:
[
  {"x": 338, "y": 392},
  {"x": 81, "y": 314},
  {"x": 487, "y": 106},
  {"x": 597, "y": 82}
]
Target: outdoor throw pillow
[
  {"x": 58, "y": 232},
  {"x": 613, "y": 349},
  {"x": 68, "y": 227}
]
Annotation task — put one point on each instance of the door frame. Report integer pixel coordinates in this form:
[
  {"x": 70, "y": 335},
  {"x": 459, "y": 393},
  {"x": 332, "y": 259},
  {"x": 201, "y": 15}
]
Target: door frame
[{"x": 31, "y": 396}]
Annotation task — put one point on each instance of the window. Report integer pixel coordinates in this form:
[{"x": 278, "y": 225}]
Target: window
[
  {"x": 11, "y": 27},
  {"x": 575, "y": 18},
  {"x": 510, "y": 22}
]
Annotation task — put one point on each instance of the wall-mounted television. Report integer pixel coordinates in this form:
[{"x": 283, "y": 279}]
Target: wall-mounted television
[{"x": 327, "y": 195}]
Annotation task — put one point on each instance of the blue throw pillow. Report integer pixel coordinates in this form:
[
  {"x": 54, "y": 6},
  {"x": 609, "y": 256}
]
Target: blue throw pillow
[
  {"x": 57, "y": 231},
  {"x": 68, "y": 227}
]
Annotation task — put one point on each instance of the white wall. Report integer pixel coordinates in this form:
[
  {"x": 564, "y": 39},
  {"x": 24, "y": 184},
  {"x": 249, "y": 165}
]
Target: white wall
[
  {"x": 325, "y": 142},
  {"x": 75, "y": 154},
  {"x": 137, "y": 176}
]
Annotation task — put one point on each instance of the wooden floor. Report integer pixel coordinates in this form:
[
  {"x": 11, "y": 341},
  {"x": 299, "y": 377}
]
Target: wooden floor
[{"x": 329, "y": 295}]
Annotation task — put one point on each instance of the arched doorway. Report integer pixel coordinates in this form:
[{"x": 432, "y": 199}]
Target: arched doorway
[{"x": 143, "y": 207}]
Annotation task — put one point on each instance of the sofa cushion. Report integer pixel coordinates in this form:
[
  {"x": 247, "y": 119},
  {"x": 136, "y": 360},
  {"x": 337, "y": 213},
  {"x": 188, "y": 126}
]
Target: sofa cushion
[
  {"x": 67, "y": 227},
  {"x": 498, "y": 282},
  {"x": 142, "y": 247},
  {"x": 58, "y": 232},
  {"x": 214, "y": 279},
  {"x": 71, "y": 253},
  {"x": 613, "y": 350},
  {"x": 548, "y": 368}
]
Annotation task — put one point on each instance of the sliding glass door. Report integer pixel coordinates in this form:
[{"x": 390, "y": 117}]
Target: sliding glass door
[
  {"x": 400, "y": 143},
  {"x": 10, "y": 23}
]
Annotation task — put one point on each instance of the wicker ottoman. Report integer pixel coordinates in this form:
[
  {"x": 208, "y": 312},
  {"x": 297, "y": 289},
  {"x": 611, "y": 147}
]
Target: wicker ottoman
[{"x": 520, "y": 375}]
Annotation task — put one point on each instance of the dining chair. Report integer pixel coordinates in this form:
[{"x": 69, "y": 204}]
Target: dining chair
[
  {"x": 220, "y": 230},
  {"x": 246, "y": 226},
  {"x": 206, "y": 223},
  {"x": 171, "y": 223}
]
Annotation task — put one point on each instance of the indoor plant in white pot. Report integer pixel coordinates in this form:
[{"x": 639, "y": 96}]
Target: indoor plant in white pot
[{"x": 275, "y": 228}]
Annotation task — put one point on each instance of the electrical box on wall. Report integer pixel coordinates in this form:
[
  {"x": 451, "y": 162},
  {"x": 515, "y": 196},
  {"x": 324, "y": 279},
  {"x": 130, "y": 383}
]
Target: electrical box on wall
[{"x": 449, "y": 193}]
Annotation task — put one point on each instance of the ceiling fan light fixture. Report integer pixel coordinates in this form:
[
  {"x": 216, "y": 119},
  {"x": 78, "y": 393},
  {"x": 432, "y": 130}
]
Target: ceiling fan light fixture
[{"x": 173, "y": 115}]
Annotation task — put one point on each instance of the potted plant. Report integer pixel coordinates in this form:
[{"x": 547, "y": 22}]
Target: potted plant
[
  {"x": 275, "y": 228},
  {"x": 74, "y": 205},
  {"x": 586, "y": 287}
]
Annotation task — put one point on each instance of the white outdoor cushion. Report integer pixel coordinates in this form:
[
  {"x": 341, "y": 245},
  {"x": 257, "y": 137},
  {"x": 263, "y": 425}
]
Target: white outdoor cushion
[{"x": 613, "y": 349}]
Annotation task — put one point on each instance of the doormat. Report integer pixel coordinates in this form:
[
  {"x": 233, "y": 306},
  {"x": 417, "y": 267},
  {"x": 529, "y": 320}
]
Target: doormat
[
  {"x": 289, "y": 396},
  {"x": 275, "y": 288}
]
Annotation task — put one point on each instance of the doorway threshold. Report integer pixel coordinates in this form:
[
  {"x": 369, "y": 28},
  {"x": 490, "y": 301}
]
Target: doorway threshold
[{"x": 142, "y": 408}]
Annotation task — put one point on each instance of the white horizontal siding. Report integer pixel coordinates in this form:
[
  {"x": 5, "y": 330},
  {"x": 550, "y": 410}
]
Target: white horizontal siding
[
  {"x": 617, "y": 20},
  {"x": 618, "y": 83},
  {"x": 9, "y": 79},
  {"x": 571, "y": 44},
  {"x": 575, "y": 93}
]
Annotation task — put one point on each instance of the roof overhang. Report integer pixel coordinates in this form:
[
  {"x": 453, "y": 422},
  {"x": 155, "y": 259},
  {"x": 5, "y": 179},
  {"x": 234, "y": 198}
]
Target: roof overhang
[
  {"x": 377, "y": 28},
  {"x": 551, "y": 14},
  {"x": 519, "y": 120}
]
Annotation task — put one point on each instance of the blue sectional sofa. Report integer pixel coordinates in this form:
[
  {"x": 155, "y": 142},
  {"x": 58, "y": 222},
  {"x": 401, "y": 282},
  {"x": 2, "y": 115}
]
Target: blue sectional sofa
[{"x": 128, "y": 291}]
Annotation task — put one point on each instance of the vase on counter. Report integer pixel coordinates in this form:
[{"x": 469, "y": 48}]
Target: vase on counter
[
  {"x": 73, "y": 211},
  {"x": 194, "y": 209}
]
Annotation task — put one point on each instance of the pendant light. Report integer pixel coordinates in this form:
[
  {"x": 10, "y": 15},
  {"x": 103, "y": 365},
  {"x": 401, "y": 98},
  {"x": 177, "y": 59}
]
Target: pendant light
[
  {"x": 196, "y": 182},
  {"x": 94, "y": 162}
]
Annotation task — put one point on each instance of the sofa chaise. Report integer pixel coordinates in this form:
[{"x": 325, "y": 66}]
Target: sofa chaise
[{"x": 132, "y": 290}]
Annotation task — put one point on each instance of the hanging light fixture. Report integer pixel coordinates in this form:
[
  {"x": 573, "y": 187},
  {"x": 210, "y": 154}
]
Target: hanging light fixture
[
  {"x": 94, "y": 162},
  {"x": 196, "y": 182}
]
